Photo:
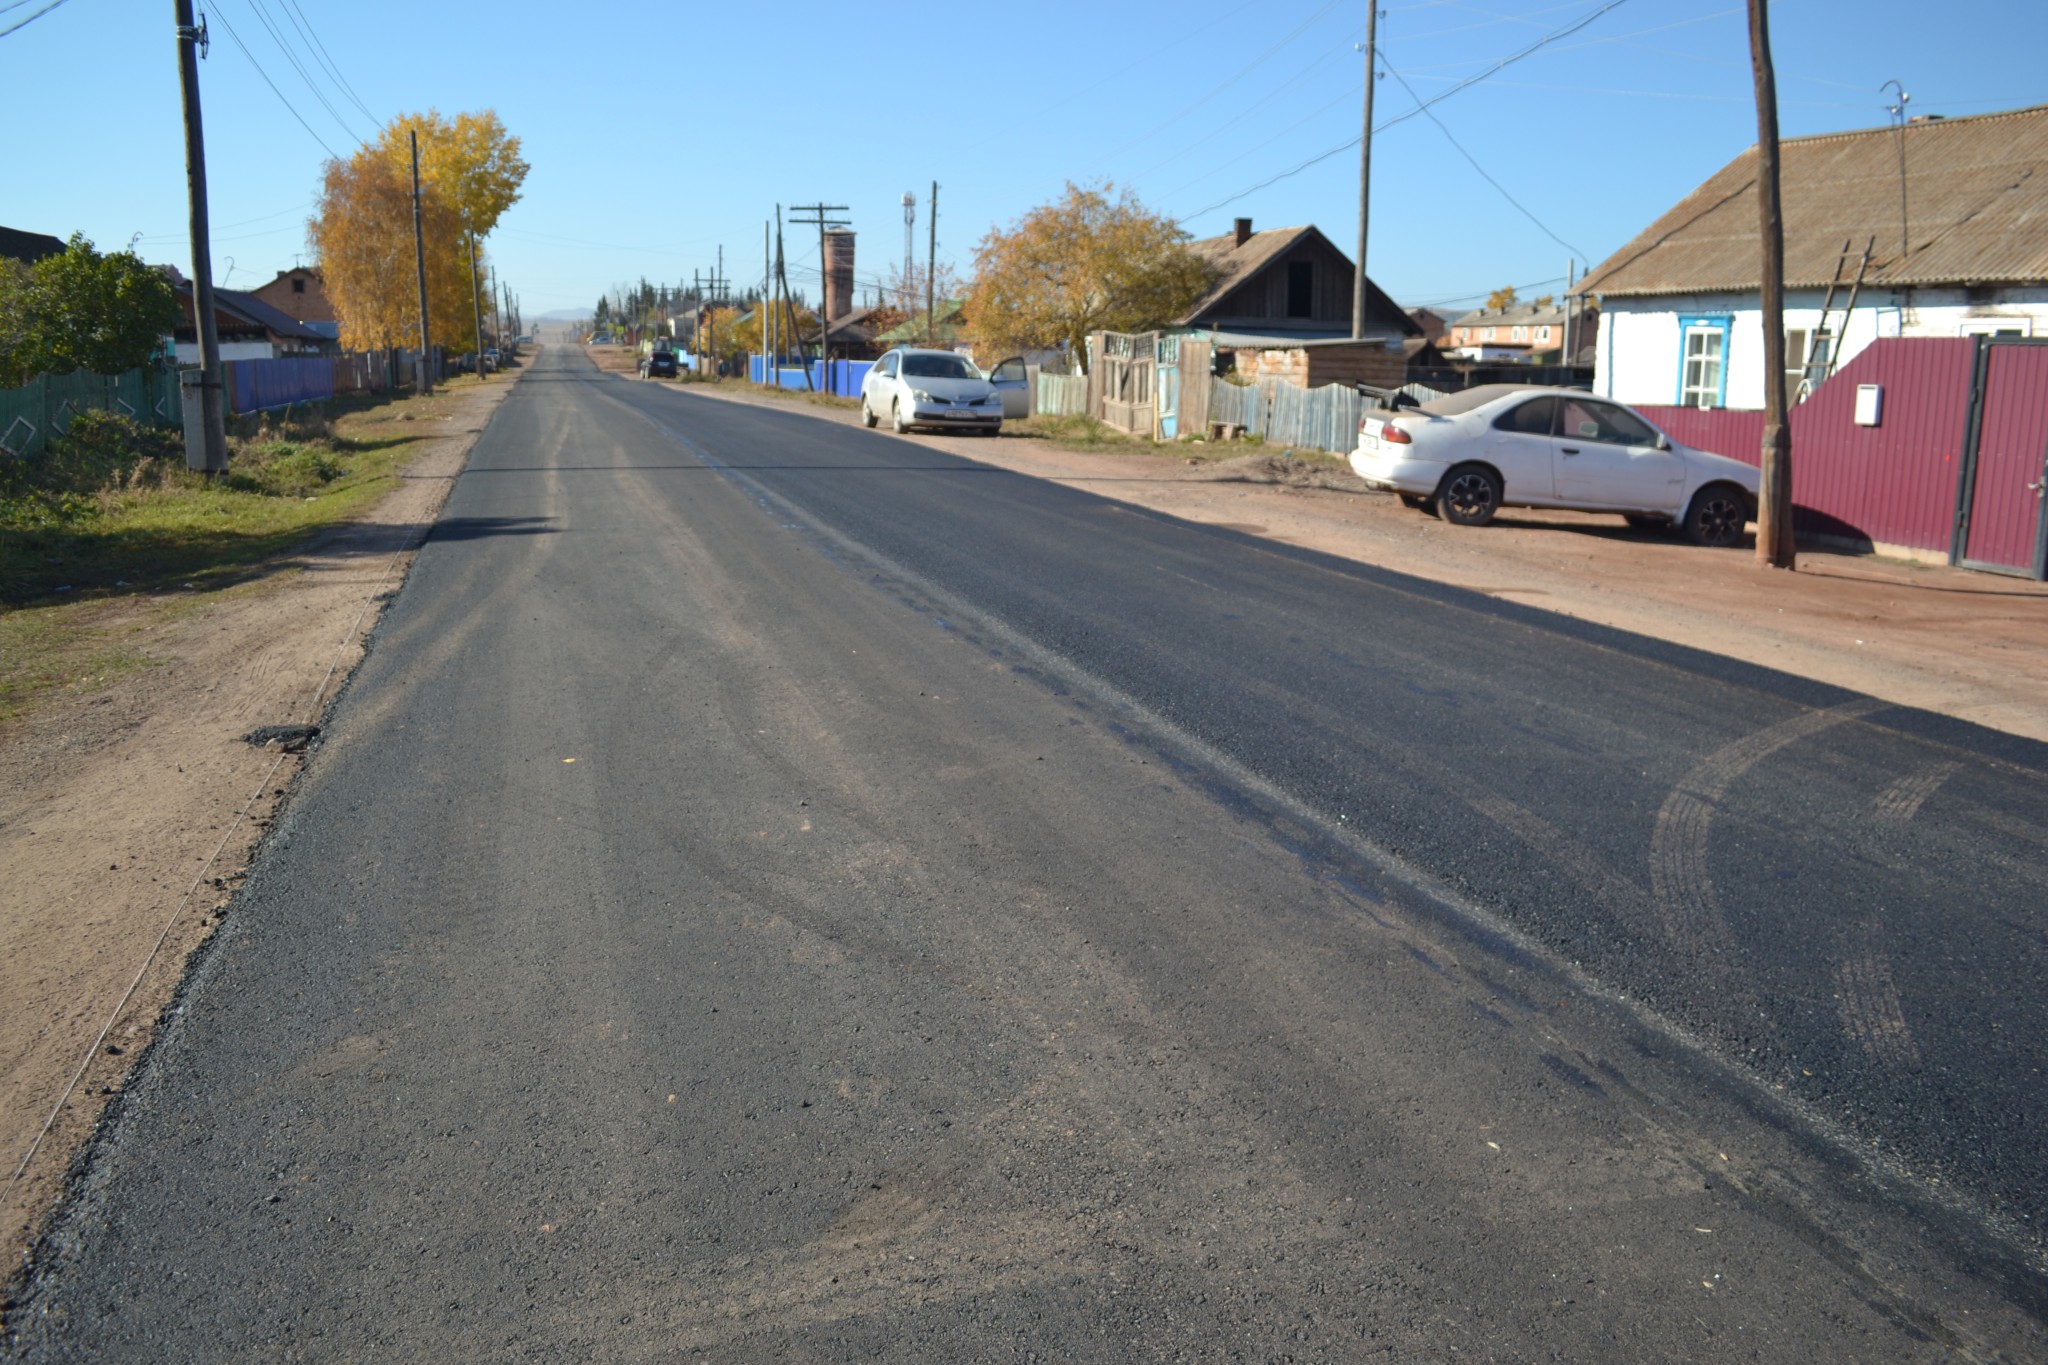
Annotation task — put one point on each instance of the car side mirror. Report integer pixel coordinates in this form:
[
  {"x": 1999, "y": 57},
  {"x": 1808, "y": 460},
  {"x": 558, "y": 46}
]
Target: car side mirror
[{"x": 1663, "y": 441}]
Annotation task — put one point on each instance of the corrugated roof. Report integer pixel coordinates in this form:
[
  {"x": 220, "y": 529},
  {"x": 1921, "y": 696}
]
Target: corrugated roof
[{"x": 1977, "y": 212}]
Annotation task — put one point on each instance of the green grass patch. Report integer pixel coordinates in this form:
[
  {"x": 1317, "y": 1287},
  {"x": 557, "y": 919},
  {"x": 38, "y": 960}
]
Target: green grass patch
[
  {"x": 112, "y": 508},
  {"x": 1079, "y": 432},
  {"x": 60, "y": 649}
]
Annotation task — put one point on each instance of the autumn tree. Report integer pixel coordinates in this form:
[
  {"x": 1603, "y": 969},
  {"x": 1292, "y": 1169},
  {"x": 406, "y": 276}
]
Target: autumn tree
[
  {"x": 1092, "y": 260},
  {"x": 1502, "y": 298},
  {"x": 80, "y": 310},
  {"x": 363, "y": 236},
  {"x": 470, "y": 174},
  {"x": 791, "y": 324}
]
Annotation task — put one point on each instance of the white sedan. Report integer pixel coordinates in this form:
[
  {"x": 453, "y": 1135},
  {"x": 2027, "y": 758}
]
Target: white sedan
[
  {"x": 915, "y": 388},
  {"x": 1469, "y": 454}
]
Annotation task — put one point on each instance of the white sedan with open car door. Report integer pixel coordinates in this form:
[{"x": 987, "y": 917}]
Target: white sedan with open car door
[
  {"x": 938, "y": 390},
  {"x": 1467, "y": 455}
]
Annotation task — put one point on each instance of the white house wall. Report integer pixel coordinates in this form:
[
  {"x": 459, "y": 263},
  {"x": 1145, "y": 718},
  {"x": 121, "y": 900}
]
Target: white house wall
[
  {"x": 188, "y": 351},
  {"x": 1640, "y": 342}
]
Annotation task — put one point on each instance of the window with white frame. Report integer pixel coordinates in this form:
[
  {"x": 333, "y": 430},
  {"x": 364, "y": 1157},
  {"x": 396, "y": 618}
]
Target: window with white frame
[
  {"x": 1542, "y": 334},
  {"x": 1702, "y": 381},
  {"x": 1995, "y": 327},
  {"x": 1797, "y": 340},
  {"x": 1520, "y": 334},
  {"x": 1486, "y": 333}
]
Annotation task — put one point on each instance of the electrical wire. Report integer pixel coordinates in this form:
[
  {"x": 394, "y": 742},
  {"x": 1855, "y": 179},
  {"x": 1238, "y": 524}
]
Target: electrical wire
[
  {"x": 1483, "y": 175},
  {"x": 17, "y": 27},
  {"x": 271, "y": 83},
  {"x": 305, "y": 27},
  {"x": 1244, "y": 71},
  {"x": 276, "y": 36},
  {"x": 1421, "y": 107}
]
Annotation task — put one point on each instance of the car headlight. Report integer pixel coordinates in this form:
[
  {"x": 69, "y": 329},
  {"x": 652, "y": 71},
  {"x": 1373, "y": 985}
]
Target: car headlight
[{"x": 920, "y": 395}]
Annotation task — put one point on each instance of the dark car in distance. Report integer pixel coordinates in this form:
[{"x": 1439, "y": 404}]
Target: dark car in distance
[{"x": 659, "y": 365}]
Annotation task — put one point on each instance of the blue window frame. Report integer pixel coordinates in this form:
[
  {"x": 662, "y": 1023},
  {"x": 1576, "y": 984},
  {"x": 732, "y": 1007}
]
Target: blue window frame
[{"x": 1703, "y": 360}]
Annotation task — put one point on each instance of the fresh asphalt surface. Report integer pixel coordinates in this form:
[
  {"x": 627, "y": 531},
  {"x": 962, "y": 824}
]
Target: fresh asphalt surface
[{"x": 781, "y": 892}]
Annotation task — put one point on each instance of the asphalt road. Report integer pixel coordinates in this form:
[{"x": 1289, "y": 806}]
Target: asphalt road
[{"x": 782, "y": 892}]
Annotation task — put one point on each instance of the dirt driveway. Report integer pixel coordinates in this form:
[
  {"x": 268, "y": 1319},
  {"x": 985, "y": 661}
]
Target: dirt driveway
[
  {"x": 1963, "y": 644},
  {"x": 127, "y": 814}
]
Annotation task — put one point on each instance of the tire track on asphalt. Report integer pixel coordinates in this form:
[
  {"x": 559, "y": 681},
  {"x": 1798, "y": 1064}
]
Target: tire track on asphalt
[{"x": 1681, "y": 883}]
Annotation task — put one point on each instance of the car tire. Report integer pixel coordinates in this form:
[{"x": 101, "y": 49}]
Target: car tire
[
  {"x": 867, "y": 415},
  {"x": 896, "y": 422},
  {"x": 1718, "y": 517},
  {"x": 1469, "y": 495}
]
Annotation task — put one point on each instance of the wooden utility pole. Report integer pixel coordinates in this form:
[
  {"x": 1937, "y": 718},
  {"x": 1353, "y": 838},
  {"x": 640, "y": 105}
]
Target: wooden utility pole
[
  {"x": 931, "y": 267},
  {"x": 1774, "y": 547},
  {"x": 1372, "y": 15},
  {"x": 419, "y": 260},
  {"x": 476, "y": 303},
  {"x": 212, "y": 456}
]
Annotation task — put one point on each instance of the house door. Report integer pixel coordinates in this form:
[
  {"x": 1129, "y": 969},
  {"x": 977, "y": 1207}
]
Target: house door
[{"x": 2006, "y": 463}]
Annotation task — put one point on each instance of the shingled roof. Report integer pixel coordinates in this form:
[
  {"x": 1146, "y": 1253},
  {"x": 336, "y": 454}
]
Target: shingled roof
[{"x": 1977, "y": 213}]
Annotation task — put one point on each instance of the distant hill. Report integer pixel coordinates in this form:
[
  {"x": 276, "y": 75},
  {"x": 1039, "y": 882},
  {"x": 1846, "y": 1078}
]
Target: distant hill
[{"x": 565, "y": 315}]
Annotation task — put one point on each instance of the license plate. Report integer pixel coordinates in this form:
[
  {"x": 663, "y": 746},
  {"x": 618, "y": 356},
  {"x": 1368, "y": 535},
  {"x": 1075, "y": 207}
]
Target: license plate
[{"x": 1374, "y": 426}]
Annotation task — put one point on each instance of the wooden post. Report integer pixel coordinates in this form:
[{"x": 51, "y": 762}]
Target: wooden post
[{"x": 1774, "y": 547}]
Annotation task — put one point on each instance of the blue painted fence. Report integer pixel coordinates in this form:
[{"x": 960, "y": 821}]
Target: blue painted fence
[
  {"x": 845, "y": 379},
  {"x": 255, "y": 385}
]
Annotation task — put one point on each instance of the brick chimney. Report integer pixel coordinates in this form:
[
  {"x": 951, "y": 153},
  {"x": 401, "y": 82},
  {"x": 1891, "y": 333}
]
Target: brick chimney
[{"x": 1244, "y": 231}]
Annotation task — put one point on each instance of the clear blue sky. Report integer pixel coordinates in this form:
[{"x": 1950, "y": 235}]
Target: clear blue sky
[{"x": 658, "y": 132}]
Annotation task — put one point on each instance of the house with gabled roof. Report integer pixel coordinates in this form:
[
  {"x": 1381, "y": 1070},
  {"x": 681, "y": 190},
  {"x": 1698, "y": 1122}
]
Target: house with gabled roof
[
  {"x": 1290, "y": 283},
  {"x": 1938, "y": 228}
]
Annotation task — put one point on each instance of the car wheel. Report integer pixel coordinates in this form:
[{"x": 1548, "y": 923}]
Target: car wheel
[
  {"x": 1718, "y": 516},
  {"x": 1639, "y": 522},
  {"x": 867, "y": 414},
  {"x": 1470, "y": 495},
  {"x": 896, "y": 418}
]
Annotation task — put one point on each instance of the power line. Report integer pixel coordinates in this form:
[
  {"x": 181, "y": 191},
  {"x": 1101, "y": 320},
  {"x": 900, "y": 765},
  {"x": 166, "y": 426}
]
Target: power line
[
  {"x": 1469, "y": 81},
  {"x": 1519, "y": 206},
  {"x": 1244, "y": 71},
  {"x": 305, "y": 27},
  {"x": 17, "y": 27},
  {"x": 271, "y": 83},
  {"x": 263, "y": 17}
]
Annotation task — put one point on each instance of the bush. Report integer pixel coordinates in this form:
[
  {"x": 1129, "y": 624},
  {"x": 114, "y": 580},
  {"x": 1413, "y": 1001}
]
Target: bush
[{"x": 98, "y": 452}]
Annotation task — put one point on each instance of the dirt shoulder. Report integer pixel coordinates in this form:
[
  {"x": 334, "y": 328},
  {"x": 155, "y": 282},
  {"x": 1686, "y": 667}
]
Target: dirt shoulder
[
  {"x": 1963, "y": 644},
  {"x": 131, "y": 806}
]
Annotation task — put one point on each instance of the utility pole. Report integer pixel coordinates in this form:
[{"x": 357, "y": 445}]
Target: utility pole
[
  {"x": 766, "y": 307},
  {"x": 1898, "y": 113},
  {"x": 782, "y": 274},
  {"x": 1774, "y": 546},
  {"x": 476, "y": 303},
  {"x": 1564, "y": 353},
  {"x": 931, "y": 267},
  {"x": 818, "y": 217},
  {"x": 419, "y": 260},
  {"x": 212, "y": 455},
  {"x": 1372, "y": 16}
]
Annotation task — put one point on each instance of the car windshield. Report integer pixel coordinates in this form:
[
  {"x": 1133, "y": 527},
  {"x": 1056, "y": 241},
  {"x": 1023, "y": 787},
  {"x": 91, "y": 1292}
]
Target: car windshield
[{"x": 939, "y": 367}]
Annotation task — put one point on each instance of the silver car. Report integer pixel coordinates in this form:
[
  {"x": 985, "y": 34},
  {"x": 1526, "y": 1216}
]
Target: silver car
[
  {"x": 1467, "y": 455},
  {"x": 931, "y": 389}
]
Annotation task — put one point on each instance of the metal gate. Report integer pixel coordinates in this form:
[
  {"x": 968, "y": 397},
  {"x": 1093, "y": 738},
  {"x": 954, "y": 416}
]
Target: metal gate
[{"x": 1999, "y": 499}]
